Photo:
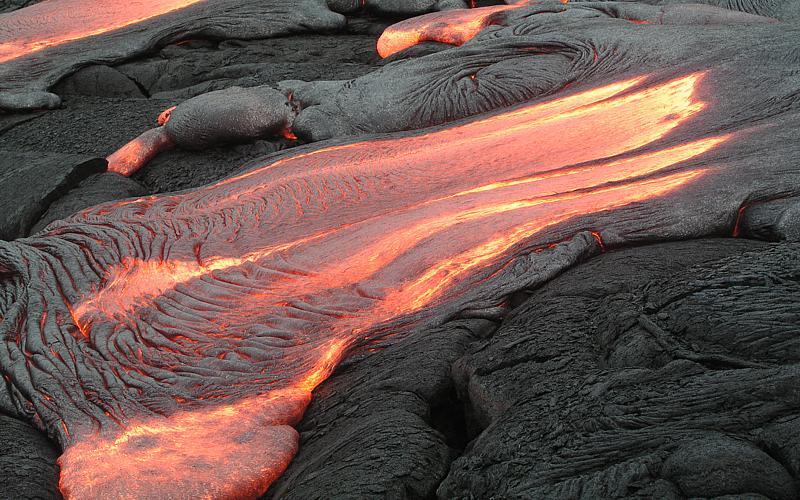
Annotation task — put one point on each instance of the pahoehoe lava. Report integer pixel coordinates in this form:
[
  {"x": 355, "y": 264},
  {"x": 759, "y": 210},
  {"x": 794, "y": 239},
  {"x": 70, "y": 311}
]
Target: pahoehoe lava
[{"x": 170, "y": 343}]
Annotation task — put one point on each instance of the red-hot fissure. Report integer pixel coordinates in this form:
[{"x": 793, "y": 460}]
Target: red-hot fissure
[{"x": 270, "y": 276}]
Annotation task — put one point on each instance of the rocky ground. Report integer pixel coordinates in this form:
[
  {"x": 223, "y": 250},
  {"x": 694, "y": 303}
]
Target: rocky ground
[{"x": 653, "y": 369}]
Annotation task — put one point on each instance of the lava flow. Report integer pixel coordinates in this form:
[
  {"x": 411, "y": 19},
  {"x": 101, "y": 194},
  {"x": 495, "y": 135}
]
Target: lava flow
[
  {"x": 50, "y": 23},
  {"x": 195, "y": 325},
  {"x": 454, "y": 27}
]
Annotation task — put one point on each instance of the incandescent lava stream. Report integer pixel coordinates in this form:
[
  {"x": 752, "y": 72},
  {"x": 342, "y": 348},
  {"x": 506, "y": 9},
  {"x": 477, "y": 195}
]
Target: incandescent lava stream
[{"x": 170, "y": 342}]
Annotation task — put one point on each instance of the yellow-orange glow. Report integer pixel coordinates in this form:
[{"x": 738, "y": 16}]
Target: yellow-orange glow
[
  {"x": 55, "y": 22},
  {"x": 454, "y": 27},
  {"x": 324, "y": 248},
  {"x": 128, "y": 159},
  {"x": 167, "y": 453}
]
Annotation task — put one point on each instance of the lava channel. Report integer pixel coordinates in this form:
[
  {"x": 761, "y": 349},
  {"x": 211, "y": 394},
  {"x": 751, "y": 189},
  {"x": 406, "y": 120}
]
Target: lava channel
[{"x": 170, "y": 342}]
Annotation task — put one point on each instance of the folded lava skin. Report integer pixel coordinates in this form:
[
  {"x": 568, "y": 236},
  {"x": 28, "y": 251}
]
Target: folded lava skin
[{"x": 170, "y": 342}]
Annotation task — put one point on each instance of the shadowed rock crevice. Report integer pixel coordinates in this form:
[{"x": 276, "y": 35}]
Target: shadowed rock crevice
[{"x": 448, "y": 415}]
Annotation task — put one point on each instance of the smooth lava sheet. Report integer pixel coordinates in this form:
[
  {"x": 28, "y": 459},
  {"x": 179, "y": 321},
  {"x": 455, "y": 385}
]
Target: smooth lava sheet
[{"x": 170, "y": 342}]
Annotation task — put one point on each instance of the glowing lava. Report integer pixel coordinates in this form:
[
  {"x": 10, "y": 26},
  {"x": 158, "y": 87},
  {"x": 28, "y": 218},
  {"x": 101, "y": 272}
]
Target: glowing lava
[
  {"x": 218, "y": 310},
  {"x": 50, "y": 23},
  {"x": 454, "y": 27},
  {"x": 130, "y": 158}
]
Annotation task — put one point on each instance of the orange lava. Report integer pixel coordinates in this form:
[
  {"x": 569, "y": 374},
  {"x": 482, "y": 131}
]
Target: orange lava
[
  {"x": 314, "y": 252},
  {"x": 131, "y": 157},
  {"x": 165, "y": 115},
  {"x": 454, "y": 27},
  {"x": 55, "y": 22},
  {"x": 226, "y": 442}
]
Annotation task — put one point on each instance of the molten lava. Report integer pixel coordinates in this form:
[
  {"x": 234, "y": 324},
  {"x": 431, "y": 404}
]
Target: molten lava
[
  {"x": 50, "y": 23},
  {"x": 215, "y": 312},
  {"x": 131, "y": 157},
  {"x": 454, "y": 27}
]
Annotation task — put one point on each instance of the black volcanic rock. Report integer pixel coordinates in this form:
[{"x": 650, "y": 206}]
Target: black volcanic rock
[
  {"x": 180, "y": 71},
  {"x": 93, "y": 190},
  {"x": 668, "y": 370},
  {"x": 96, "y": 125},
  {"x": 28, "y": 467},
  {"x": 778, "y": 9},
  {"x": 87, "y": 125},
  {"x": 99, "y": 80},
  {"x": 9, "y": 5},
  {"x": 29, "y": 182},
  {"x": 776, "y": 220}
]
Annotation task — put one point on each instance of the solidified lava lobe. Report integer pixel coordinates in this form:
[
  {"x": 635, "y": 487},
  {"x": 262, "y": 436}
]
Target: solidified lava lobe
[
  {"x": 220, "y": 309},
  {"x": 55, "y": 22}
]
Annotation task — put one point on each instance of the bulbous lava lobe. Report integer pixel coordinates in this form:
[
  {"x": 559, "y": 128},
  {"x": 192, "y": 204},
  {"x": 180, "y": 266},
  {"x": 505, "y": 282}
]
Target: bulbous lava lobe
[
  {"x": 527, "y": 52},
  {"x": 234, "y": 114},
  {"x": 451, "y": 27},
  {"x": 41, "y": 44},
  {"x": 231, "y": 115},
  {"x": 28, "y": 101}
]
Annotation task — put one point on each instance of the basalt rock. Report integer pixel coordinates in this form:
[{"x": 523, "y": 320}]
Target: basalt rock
[
  {"x": 27, "y": 462},
  {"x": 778, "y": 9},
  {"x": 93, "y": 190},
  {"x": 525, "y": 53},
  {"x": 663, "y": 371},
  {"x": 556, "y": 355},
  {"x": 232, "y": 301},
  {"x": 388, "y": 423},
  {"x": 394, "y": 8},
  {"x": 181, "y": 71},
  {"x": 221, "y": 117},
  {"x": 9, "y": 5},
  {"x": 99, "y": 80},
  {"x": 30, "y": 182}
]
